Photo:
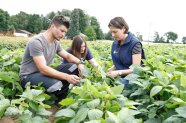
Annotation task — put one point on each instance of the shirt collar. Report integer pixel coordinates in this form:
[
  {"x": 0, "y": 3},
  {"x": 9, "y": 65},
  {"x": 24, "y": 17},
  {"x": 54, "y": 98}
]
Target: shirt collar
[{"x": 127, "y": 40}]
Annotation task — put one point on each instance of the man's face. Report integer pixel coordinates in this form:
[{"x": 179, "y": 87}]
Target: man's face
[{"x": 59, "y": 31}]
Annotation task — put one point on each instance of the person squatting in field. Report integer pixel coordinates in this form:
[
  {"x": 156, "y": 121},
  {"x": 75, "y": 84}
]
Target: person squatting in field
[
  {"x": 80, "y": 49},
  {"x": 39, "y": 53},
  {"x": 126, "y": 49}
]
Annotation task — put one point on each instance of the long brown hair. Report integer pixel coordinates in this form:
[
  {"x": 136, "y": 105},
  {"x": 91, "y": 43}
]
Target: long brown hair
[{"x": 75, "y": 48}]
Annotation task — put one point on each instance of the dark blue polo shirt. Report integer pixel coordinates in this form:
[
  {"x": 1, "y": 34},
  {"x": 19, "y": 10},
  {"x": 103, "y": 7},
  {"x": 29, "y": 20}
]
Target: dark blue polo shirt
[
  {"x": 88, "y": 56},
  {"x": 122, "y": 55}
]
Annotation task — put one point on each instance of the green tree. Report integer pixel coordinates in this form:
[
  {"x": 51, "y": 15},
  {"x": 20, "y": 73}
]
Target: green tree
[
  {"x": 83, "y": 20},
  {"x": 45, "y": 22},
  {"x": 162, "y": 39},
  {"x": 20, "y": 20},
  {"x": 156, "y": 37},
  {"x": 184, "y": 40},
  {"x": 96, "y": 26},
  {"x": 171, "y": 36},
  {"x": 74, "y": 24},
  {"x": 50, "y": 15},
  {"x": 34, "y": 23},
  {"x": 90, "y": 33},
  {"x": 4, "y": 20},
  {"x": 66, "y": 13},
  {"x": 108, "y": 36}
]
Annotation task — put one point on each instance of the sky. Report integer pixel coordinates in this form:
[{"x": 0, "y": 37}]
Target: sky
[{"x": 143, "y": 16}]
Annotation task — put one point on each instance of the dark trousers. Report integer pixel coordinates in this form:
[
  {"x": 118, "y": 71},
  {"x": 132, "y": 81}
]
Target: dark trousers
[{"x": 55, "y": 86}]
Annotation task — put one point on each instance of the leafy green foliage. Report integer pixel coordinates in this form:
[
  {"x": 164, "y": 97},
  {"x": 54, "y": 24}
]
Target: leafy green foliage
[{"x": 156, "y": 92}]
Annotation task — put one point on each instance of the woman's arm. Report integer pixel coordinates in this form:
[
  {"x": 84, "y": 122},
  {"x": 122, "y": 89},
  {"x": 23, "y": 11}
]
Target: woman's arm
[
  {"x": 136, "y": 59},
  {"x": 93, "y": 62}
]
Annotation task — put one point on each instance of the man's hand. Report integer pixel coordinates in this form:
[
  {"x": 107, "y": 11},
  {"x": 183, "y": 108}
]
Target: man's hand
[
  {"x": 73, "y": 79},
  {"x": 80, "y": 68}
]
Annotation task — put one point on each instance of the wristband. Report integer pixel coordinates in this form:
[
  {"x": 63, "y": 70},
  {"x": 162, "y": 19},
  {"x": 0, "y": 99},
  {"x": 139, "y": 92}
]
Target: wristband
[{"x": 81, "y": 62}]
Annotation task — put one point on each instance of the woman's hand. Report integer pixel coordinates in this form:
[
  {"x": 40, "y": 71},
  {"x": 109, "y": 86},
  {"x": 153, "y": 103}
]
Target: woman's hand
[{"x": 113, "y": 73}]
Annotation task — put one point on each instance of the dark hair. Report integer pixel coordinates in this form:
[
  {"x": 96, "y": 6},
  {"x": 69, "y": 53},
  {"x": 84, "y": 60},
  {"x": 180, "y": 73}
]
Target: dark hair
[
  {"x": 60, "y": 20},
  {"x": 75, "y": 48},
  {"x": 119, "y": 23}
]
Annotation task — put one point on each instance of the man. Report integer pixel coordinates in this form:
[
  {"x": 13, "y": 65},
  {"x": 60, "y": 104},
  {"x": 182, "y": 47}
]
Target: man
[{"x": 38, "y": 55}]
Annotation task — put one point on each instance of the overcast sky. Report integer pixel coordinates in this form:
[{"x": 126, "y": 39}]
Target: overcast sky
[{"x": 144, "y": 16}]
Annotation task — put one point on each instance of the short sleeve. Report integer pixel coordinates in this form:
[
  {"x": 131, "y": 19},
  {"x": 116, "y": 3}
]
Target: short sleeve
[
  {"x": 137, "y": 49},
  {"x": 35, "y": 48},
  {"x": 59, "y": 48},
  {"x": 89, "y": 55}
]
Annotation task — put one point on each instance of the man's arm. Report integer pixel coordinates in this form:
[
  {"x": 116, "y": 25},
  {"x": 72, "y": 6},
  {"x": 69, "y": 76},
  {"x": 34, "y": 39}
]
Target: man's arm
[
  {"x": 69, "y": 57},
  {"x": 48, "y": 71}
]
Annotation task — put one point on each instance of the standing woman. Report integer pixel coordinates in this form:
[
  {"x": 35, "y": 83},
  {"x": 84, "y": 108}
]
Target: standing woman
[
  {"x": 80, "y": 50},
  {"x": 126, "y": 49}
]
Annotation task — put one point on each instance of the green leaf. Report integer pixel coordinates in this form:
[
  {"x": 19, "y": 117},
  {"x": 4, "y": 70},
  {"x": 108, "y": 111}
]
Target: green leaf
[
  {"x": 94, "y": 103},
  {"x": 12, "y": 111},
  {"x": 65, "y": 113},
  {"x": 34, "y": 106},
  {"x": 93, "y": 121},
  {"x": 183, "y": 80},
  {"x": 5, "y": 77},
  {"x": 95, "y": 114},
  {"x": 39, "y": 98},
  {"x": 81, "y": 115},
  {"x": 117, "y": 89},
  {"x": 112, "y": 118},
  {"x": 126, "y": 115},
  {"x": 153, "y": 120},
  {"x": 181, "y": 111},
  {"x": 4, "y": 103},
  {"x": 36, "y": 92},
  {"x": 172, "y": 119},
  {"x": 108, "y": 105},
  {"x": 1, "y": 90},
  {"x": 77, "y": 90},
  {"x": 155, "y": 90},
  {"x": 29, "y": 119},
  {"x": 67, "y": 101},
  {"x": 44, "y": 112}
]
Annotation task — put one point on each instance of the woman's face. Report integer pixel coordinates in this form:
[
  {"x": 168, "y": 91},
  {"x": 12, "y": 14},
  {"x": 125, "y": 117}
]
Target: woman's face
[
  {"x": 83, "y": 47},
  {"x": 117, "y": 33}
]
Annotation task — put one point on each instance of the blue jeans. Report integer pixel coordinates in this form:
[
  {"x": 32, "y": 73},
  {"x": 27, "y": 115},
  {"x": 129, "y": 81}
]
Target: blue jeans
[{"x": 52, "y": 85}]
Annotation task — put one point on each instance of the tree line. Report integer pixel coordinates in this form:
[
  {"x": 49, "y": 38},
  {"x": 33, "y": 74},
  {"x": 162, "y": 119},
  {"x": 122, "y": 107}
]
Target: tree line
[
  {"x": 168, "y": 37},
  {"x": 80, "y": 23}
]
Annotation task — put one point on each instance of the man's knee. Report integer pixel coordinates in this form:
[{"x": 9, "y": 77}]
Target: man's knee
[
  {"x": 69, "y": 68},
  {"x": 55, "y": 87}
]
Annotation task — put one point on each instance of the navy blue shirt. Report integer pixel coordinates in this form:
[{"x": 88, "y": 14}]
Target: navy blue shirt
[
  {"x": 122, "y": 55},
  {"x": 87, "y": 57}
]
